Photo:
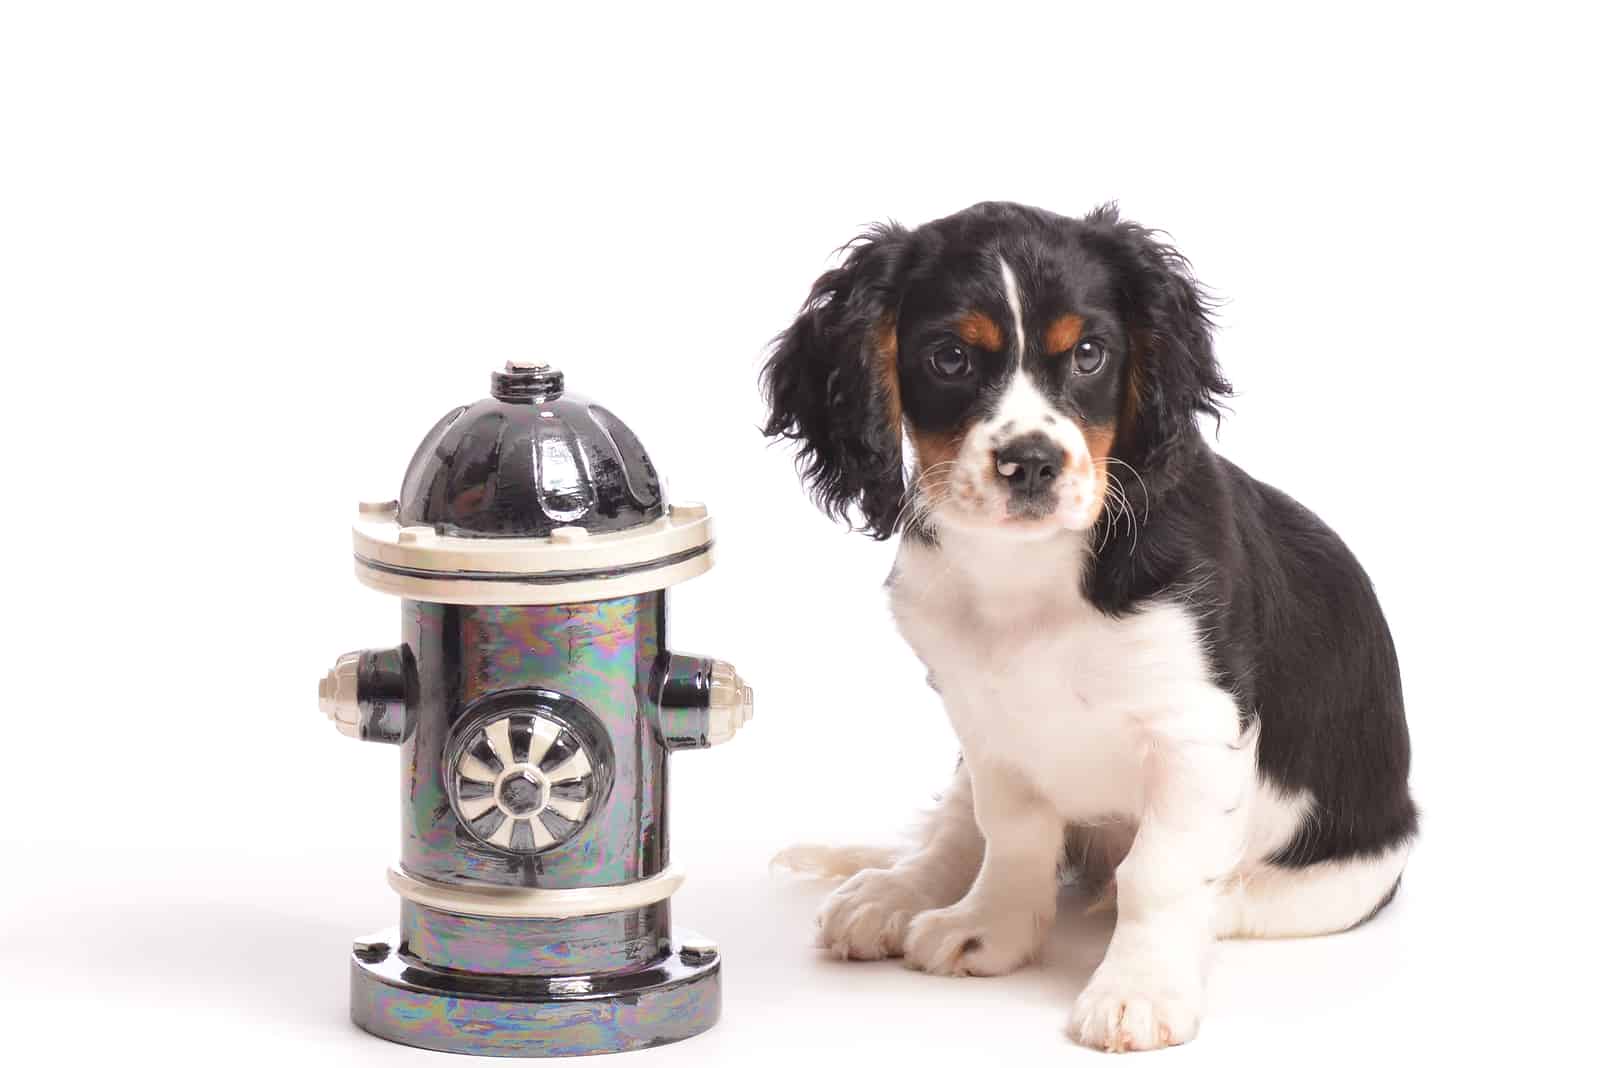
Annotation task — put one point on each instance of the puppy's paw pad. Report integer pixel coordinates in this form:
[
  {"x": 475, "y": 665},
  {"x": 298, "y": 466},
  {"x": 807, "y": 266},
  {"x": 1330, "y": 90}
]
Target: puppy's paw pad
[
  {"x": 1121, "y": 1018},
  {"x": 961, "y": 940},
  {"x": 866, "y": 918}
]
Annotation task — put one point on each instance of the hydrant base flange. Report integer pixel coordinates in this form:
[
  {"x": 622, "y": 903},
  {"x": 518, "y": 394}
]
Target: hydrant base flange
[{"x": 404, "y": 1001}]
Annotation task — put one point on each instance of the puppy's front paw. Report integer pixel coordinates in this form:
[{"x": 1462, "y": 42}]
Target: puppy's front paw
[
  {"x": 965, "y": 939},
  {"x": 1124, "y": 1009},
  {"x": 867, "y": 916}
]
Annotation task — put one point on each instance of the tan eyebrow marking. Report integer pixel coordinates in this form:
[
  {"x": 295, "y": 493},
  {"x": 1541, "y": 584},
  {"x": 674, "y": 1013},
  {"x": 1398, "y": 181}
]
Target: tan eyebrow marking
[
  {"x": 1063, "y": 334},
  {"x": 976, "y": 328}
]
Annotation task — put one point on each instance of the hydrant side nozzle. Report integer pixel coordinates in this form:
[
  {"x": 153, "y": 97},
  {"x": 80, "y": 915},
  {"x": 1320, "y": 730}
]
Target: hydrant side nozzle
[
  {"x": 366, "y": 695},
  {"x": 336, "y": 695},
  {"x": 699, "y": 702},
  {"x": 733, "y": 702}
]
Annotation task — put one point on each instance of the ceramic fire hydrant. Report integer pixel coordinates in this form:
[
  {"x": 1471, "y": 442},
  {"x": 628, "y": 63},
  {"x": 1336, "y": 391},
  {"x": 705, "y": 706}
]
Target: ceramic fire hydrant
[{"x": 534, "y": 701}]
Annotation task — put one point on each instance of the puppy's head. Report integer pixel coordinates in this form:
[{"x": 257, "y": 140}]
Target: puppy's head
[{"x": 1030, "y": 360}]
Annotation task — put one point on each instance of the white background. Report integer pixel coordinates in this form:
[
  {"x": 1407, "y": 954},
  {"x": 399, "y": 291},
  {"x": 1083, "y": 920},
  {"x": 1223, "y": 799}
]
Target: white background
[{"x": 250, "y": 252}]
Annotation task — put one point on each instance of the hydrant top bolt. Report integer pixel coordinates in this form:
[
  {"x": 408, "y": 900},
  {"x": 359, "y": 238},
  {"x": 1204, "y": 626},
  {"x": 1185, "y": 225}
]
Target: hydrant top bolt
[{"x": 524, "y": 382}]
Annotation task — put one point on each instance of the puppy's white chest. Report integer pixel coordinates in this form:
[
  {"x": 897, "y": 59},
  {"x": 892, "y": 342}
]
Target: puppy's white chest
[{"x": 1039, "y": 683}]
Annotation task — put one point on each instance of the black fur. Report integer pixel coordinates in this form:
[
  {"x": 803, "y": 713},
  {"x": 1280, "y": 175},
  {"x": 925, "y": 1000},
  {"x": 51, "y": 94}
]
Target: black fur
[
  {"x": 825, "y": 392},
  {"x": 1167, "y": 314},
  {"x": 1295, "y": 629}
]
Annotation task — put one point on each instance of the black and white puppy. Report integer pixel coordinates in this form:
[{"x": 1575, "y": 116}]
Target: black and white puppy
[{"x": 1158, "y": 668}]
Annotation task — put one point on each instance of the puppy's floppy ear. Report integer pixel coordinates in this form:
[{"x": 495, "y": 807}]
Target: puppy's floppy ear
[
  {"x": 832, "y": 384},
  {"x": 1173, "y": 376}
]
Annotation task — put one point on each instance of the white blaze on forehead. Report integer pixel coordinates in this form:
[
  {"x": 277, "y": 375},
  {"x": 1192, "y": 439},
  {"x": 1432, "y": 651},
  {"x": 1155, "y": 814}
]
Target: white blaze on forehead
[
  {"x": 1022, "y": 405},
  {"x": 1013, "y": 298},
  {"x": 1023, "y": 409}
]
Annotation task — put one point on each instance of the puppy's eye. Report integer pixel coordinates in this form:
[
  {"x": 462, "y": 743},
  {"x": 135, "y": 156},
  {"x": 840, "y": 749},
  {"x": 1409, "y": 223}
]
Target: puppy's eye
[
  {"x": 1088, "y": 357},
  {"x": 949, "y": 361}
]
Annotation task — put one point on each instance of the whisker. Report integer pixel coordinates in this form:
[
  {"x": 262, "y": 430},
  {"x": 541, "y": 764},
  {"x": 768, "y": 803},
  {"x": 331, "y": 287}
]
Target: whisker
[
  {"x": 909, "y": 510},
  {"x": 1145, "y": 490},
  {"x": 925, "y": 496},
  {"x": 1113, "y": 495},
  {"x": 1119, "y": 495}
]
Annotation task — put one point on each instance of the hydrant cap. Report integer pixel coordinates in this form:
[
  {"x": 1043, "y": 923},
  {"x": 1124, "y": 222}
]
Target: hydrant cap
[
  {"x": 527, "y": 460},
  {"x": 530, "y": 496}
]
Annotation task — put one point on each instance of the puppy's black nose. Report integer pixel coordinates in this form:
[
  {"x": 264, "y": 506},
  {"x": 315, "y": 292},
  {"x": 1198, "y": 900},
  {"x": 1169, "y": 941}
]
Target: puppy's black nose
[{"x": 1029, "y": 463}]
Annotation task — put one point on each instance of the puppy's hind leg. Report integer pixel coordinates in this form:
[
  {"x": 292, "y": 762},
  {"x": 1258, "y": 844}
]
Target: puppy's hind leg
[
  {"x": 1271, "y": 901},
  {"x": 867, "y": 916}
]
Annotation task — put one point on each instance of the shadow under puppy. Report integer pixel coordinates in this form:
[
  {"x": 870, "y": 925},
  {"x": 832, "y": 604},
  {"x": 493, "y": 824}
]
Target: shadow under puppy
[{"x": 1157, "y": 667}]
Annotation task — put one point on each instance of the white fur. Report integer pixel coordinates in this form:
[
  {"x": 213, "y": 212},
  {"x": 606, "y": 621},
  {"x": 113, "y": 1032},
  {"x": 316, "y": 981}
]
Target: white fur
[
  {"x": 1014, "y": 300},
  {"x": 1069, "y": 717},
  {"x": 1266, "y": 902},
  {"x": 835, "y": 862}
]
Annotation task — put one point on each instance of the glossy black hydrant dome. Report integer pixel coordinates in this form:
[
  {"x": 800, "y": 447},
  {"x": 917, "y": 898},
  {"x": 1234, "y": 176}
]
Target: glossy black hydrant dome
[{"x": 526, "y": 460}]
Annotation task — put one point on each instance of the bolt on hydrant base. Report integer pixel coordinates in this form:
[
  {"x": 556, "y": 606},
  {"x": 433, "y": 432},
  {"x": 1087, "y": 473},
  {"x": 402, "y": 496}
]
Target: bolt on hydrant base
[{"x": 535, "y": 702}]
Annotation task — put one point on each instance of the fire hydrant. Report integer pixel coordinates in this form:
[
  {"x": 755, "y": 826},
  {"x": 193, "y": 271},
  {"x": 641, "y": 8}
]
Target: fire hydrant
[{"x": 535, "y": 702}]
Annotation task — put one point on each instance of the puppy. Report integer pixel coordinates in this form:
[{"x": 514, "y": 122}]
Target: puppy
[{"x": 1159, "y": 669}]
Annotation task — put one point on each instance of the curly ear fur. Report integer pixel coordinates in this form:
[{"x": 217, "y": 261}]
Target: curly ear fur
[
  {"x": 1173, "y": 376},
  {"x": 831, "y": 384}
]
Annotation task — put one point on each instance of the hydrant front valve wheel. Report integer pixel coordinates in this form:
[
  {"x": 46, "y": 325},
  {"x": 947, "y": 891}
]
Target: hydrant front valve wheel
[{"x": 522, "y": 782}]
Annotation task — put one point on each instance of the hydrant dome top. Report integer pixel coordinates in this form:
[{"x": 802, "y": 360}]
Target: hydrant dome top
[
  {"x": 529, "y": 459},
  {"x": 532, "y": 495}
]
